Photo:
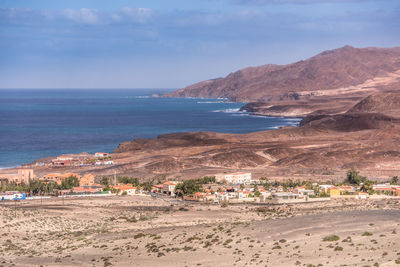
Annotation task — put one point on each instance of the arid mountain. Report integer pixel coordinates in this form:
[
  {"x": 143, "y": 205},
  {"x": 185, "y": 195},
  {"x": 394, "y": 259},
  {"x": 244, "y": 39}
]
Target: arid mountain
[
  {"x": 366, "y": 137},
  {"x": 342, "y": 72}
]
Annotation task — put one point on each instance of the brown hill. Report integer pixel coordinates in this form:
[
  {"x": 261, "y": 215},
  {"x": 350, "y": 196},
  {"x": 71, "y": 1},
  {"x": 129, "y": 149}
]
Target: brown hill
[
  {"x": 367, "y": 137},
  {"x": 377, "y": 111},
  {"x": 384, "y": 103},
  {"x": 346, "y": 71}
]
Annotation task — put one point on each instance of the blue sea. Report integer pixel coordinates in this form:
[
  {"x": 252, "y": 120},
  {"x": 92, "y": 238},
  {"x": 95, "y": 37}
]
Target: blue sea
[{"x": 39, "y": 123}]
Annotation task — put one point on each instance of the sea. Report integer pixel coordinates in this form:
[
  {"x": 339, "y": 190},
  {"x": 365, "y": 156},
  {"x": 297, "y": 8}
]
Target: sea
[{"x": 38, "y": 123}]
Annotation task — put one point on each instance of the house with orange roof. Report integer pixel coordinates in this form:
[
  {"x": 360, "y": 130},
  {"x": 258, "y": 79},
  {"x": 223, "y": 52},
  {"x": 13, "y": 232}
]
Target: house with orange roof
[
  {"x": 128, "y": 188},
  {"x": 243, "y": 194},
  {"x": 387, "y": 189},
  {"x": 157, "y": 188},
  {"x": 85, "y": 190},
  {"x": 346, "y": 189},
  {"x": 51, "y": 177},
  {"x": 87, "y": 180},
  {"x": 169, "y": 188},
  {"x": 57, "y": 177}
]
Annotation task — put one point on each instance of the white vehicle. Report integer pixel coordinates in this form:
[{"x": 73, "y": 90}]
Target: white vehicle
[{"x": 12, "y": 195}]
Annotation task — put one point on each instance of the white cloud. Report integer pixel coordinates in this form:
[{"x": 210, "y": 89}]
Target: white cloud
[
  {"x": 141, "y": 15},
  {"x": 83, "y": 15}
]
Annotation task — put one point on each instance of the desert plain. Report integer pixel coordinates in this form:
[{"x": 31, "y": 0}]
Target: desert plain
[{"x": 148, "y": 231}]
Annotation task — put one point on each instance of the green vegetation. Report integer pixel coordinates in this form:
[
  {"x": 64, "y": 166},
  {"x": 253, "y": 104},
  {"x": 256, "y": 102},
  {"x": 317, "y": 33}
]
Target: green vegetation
[
  {"x": 139, "y": 235},
  {"x": 331, "y": 238},
  {"x": 70, "y": 182},
  {"x": 104, "y": 181},
  {"x": 147, "y": 186},
  {"x": 353, "y": 177},
  {"x": 128, "y": 180},
  {"x": 189, "y": 187},
  {"x": 38, "y": 187},
  {"x": 367, "y": 234}
]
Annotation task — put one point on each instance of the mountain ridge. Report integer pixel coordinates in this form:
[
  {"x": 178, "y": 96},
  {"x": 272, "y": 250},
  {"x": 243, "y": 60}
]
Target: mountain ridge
[{"x": 346, "y": 71}]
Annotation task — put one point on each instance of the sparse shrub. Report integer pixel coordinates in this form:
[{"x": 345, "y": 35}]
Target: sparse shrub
[
  {"x": 139, "y": 235},
  {"x": 331, "y": 238},
  {"x": 338, "y": 248},
  {"x": 227, "y": 242},
  {"x": 367, "y": 234}
]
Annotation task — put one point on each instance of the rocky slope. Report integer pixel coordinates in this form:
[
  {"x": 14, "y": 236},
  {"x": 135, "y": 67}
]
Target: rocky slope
[
  {"x": 342, "y": 71},
  {"x": 367, "y": 137},
  {"x": 329, "y": 83}
]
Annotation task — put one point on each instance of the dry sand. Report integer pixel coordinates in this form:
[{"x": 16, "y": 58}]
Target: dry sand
[{"x": 142, "y": 231}]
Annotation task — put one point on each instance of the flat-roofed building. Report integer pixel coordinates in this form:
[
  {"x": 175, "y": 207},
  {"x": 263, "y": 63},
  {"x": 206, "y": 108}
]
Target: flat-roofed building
[
  {"x": 87, "y": 180},
  {"x": 169, "y": 188},
  {"x": 24, "y": 175},
  {"x": 101, "y": 155},
  {"x": 234, "y": 178}
]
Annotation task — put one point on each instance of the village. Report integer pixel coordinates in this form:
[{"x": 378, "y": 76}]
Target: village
[
  {"x": 71, "y": 219},
  {"x": 221, "y": 188}
]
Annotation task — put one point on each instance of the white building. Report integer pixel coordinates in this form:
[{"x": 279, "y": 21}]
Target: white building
[
  {"x": 285, "y": 195},
  {"x": 234, "y": 178},
  {"x": 302, "y": 192},
  {"x": 169, "y": 188},
  {"x": 101, "y": 155}
]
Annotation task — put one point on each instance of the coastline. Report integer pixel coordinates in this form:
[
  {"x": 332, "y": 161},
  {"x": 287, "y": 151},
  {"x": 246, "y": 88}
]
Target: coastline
[
  {"x": 219, "y": 102},
  {"x": 250, "y": 113}
]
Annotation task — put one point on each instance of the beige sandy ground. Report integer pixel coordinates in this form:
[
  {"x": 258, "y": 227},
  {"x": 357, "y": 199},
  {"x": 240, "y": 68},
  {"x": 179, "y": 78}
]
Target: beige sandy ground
[{"x": 141, "y": 231}]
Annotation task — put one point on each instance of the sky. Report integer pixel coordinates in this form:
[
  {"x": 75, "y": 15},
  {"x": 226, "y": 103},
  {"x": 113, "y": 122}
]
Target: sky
[{"x": 174, "y": 43}]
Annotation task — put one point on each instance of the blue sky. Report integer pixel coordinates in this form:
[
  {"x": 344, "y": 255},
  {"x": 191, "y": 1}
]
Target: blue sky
[{"x": 171, "y": 44}]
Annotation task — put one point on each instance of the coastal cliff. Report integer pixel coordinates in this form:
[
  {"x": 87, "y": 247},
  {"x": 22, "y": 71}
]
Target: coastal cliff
[{"x": 330, "y": 82}]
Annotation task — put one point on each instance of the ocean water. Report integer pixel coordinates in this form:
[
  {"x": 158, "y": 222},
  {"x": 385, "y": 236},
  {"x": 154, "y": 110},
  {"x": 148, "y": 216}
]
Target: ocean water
[{"x": 43, "y": 123}]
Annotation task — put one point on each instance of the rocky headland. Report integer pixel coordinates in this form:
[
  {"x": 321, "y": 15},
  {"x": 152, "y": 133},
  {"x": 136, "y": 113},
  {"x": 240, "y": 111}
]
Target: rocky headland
[{"x": 329, "y": 83}]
